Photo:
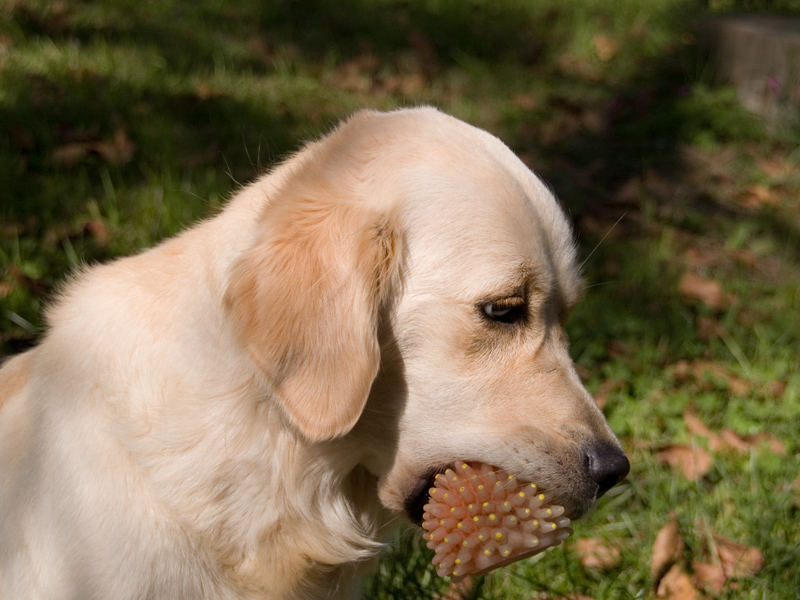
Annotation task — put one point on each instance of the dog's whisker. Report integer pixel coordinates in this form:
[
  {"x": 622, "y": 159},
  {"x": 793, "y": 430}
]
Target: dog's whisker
[
  {"x": 601, "y": 283},
  {"x": 598, "y": 244}
]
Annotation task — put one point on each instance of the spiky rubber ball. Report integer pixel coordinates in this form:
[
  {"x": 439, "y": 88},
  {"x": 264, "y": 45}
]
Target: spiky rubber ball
[{"x": 480, "y": 517}]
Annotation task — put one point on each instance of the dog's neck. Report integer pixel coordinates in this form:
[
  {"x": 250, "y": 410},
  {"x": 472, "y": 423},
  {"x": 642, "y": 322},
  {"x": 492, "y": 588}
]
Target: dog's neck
[{"x": 286, "y": 518}]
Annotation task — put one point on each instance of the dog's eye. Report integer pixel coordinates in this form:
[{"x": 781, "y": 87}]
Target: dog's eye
[{"x": 507, "y": 310}]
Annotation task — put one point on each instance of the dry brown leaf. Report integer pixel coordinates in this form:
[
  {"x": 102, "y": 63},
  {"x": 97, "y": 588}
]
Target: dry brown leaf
[
  {"x": 69, "y": 155},
  {"x": 5, "y": 42},
  {"x": 707, "y": 291},
  {"x": 605, "y": 46},
  {"x": 707, "y": 328},
  {"x": 744, "y": 443},
  {"x": 694, "y": 462},
  {"x": 676, "y": 585},
  {"x": 710, "y": 578},
  {"x": 118, "y": 150},
  {"x": 596, "y": 554},
  {"x": 738, "y": 560},
  {"x": 695, "y": 257},
  {"x": 459, "y": 589},
  {"x": 524, "y": 101},
  {"x": 776, "y": 388},
  {"x": 703, "y": 370},
  {"x": 744, "y": 257},
  {"x": 773, "y": 166},
  {"x": 99, "y": 230},
  {"x": 205, "y": 91},
  {"x": 667, "y": 549},
  {"x": 756, "y": 196},
  {"x": 696, "y": 426},
  {"x": 776, "y": 445},
  {"x": 728, "y": 439},
  {"x": 734, "y": 441},
  {"x": 737, "y": 385}
]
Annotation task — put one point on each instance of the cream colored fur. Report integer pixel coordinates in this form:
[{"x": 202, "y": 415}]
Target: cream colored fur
[{"x": 241, "y": 411}]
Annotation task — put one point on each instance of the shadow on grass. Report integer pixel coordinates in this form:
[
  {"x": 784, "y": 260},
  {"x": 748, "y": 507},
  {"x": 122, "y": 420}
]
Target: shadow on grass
[
  {"x": 200, "y": 127},
  {"x": 588, "y": 139}
]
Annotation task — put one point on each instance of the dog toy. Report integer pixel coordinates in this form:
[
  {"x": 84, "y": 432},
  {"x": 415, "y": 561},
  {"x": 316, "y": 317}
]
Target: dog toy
[{"x": 479, "y": 518}]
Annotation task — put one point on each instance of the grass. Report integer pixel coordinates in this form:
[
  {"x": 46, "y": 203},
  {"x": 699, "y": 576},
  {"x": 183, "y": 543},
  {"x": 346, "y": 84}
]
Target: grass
[{"x": 126, "y": 121}]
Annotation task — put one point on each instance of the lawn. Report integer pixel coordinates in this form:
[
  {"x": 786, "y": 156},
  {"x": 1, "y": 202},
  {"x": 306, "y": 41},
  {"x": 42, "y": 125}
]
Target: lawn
[{"x": 122, "y": 122}]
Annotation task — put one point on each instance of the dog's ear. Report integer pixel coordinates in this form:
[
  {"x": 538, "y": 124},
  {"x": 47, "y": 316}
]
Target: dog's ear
[{"x": 306, "y": 299}]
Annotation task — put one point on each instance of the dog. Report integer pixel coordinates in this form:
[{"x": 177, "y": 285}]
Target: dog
[{"x": 244, "y": 410}]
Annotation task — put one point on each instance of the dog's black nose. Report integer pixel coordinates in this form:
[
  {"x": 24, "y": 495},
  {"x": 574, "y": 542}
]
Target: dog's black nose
[{"x": 608, "y": 465}]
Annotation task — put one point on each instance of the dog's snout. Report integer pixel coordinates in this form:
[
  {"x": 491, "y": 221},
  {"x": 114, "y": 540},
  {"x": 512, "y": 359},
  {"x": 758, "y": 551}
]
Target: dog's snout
[{"x": 608, "y": 465}]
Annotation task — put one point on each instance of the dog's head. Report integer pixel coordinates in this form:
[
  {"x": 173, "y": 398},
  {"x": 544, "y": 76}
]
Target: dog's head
[{"x": 408, "y": 294}]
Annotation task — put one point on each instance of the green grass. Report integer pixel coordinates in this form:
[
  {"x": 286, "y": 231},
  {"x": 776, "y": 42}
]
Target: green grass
[{"x": 612, "y": 103}]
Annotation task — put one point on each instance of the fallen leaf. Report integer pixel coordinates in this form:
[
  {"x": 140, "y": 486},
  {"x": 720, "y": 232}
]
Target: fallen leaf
[
  {"x": 773, "y": 166},
  {"x": 117, "y": 150},
  {"x": 705, "y": 371},
  {"x": 5, "y": 42},
  {"x": 69, "y": 155},
  {"x": 596, "y": 554},
  {"x": 524, "y": 101},
  {"x": 738, "y": 560},
  {"x": 707, "y": 328},
  {"x": 756, "y": 196},
  {"x": 676, "y": 585},
  {"x": 696, "y": 426},
  {"x": 708, "y": 577},
  {"x": 707, "y": 291},
  {"x": 667, "y": 549},
  {"x": 744, "y": 257},
  {"x": 459, "y": 589},
  {"x": 700, "y": 258},
  {"x": 745, "y": 443},
  {"x": 694, "y": 462},
  {"x": 728, "y": 439},
  {"x": 406, "y": 84},
  {"x": 99, "y": 230},
  {"x": 605, "y": 46},
  {"x": 205, "y": 91},
  {"x": 776, "y": 445},
  {"x": 776, "y": 388},
  {"x": 579, "y": 66},
  {"x": 737, "y": 385},
  {"x": 734, "y": 441},
  {"x": 260, "y": 46}
]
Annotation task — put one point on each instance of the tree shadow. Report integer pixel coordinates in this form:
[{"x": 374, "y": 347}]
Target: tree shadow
[{"x": 610, "y": 135}]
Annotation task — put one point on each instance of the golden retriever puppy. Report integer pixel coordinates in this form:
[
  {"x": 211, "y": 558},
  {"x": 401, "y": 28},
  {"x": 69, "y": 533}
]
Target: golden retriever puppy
[{"x": 241, "y": 411}]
